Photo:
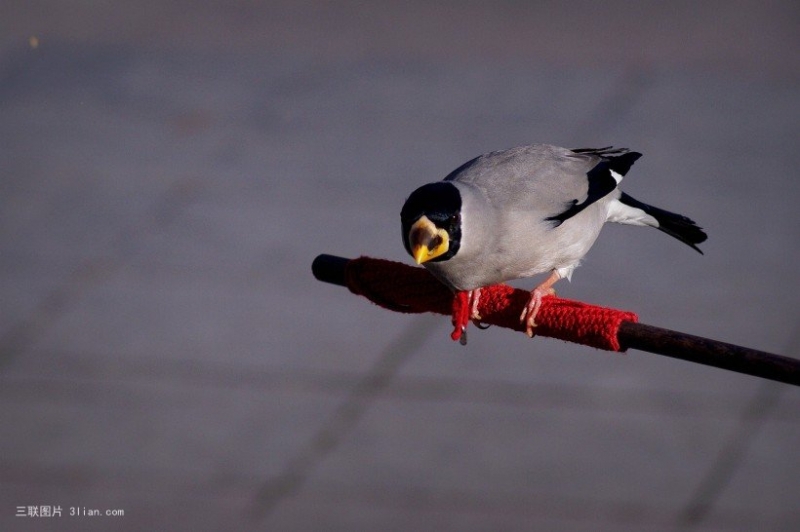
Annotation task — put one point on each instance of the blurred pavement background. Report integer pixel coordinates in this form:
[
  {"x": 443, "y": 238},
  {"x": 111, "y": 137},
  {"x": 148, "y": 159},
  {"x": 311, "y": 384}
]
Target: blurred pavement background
[{"x": 170, "y": 170}]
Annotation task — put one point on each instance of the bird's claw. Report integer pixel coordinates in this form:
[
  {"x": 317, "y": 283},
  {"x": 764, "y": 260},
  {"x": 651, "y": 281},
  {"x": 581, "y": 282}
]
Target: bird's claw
[{"x": 480, "y": 325}]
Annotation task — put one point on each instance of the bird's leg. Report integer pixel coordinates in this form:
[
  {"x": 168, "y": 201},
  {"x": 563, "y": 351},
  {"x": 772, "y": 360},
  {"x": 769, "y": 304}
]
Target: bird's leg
[
  {"x": 474, "y": 315},
  {"x": 535, "y": 302},
  {"x": 474, "y": 298}
]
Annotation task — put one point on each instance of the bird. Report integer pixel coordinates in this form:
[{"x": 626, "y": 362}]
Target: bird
[{"x": 524, "y": 211}]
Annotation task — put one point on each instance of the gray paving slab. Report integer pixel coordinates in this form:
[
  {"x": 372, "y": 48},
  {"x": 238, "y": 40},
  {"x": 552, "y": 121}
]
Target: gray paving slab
[
  {"x": 497, "y": 448},
  {"x": 421, "y": 510},
  {"x": 760, "y": 470},
  {"x": 182, "y": 431}
]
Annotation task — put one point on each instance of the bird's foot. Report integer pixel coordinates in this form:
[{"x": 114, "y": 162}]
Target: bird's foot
[
  {"x": 474, "y": 315},
  {"x": 531, "y": 309},
  {"x": 474, "y": 299}
]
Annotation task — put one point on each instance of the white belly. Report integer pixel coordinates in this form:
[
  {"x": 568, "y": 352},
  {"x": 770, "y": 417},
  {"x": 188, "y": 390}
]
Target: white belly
[{"x": 523, "y": 248}]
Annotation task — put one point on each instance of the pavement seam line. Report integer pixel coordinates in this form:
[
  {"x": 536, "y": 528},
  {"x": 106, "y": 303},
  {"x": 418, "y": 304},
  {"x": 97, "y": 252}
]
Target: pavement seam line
[
  {"x": 92, "y": 270},
  {"x": 345, "y": 418}
]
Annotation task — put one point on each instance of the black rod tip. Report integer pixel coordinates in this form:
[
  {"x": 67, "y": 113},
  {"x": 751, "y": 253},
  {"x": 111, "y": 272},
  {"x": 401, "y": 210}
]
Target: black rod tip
[{"x": 329, "y": 269}]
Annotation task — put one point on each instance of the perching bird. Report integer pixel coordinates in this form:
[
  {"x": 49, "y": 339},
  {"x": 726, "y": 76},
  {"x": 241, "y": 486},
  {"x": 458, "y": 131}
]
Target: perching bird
[{"x": 524, "y": 211}]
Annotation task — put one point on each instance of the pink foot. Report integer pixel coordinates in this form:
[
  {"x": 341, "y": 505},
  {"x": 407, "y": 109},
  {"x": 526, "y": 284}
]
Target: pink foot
[
  {"x": 474, "y": 298},
  {"x": 474, "y": 315},
  {"x": 532, "y": 308}
]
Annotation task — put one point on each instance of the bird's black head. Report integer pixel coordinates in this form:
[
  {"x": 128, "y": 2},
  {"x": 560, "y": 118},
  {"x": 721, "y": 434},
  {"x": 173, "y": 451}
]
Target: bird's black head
[{"x": 431, "y": 219}]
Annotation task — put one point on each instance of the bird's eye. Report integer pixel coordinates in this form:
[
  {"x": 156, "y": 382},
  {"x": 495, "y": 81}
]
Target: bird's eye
[{"x": 454, "y": 219}]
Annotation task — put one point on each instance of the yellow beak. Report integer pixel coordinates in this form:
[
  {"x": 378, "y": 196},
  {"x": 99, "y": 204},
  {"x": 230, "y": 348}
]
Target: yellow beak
[{"x": 427, "y": 241}]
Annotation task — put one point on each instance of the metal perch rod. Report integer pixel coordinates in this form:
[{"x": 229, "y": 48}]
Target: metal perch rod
[{"x": 675, "y": 344}]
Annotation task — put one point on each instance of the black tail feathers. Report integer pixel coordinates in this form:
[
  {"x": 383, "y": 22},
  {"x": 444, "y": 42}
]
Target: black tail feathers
[{"x": 675, "y": 225}]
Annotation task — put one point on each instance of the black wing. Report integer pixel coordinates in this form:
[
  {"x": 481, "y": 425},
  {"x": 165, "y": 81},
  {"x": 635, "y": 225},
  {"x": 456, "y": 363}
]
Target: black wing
[{"x": 601, "y": 180}]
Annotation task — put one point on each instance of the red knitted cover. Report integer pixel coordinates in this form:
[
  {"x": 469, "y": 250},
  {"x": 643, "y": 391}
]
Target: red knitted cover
[{"x": 404, "y": 288}]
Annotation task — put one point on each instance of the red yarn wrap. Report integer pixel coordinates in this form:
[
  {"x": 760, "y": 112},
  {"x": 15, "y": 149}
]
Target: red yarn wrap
[{"x": 404, "y": 288}]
